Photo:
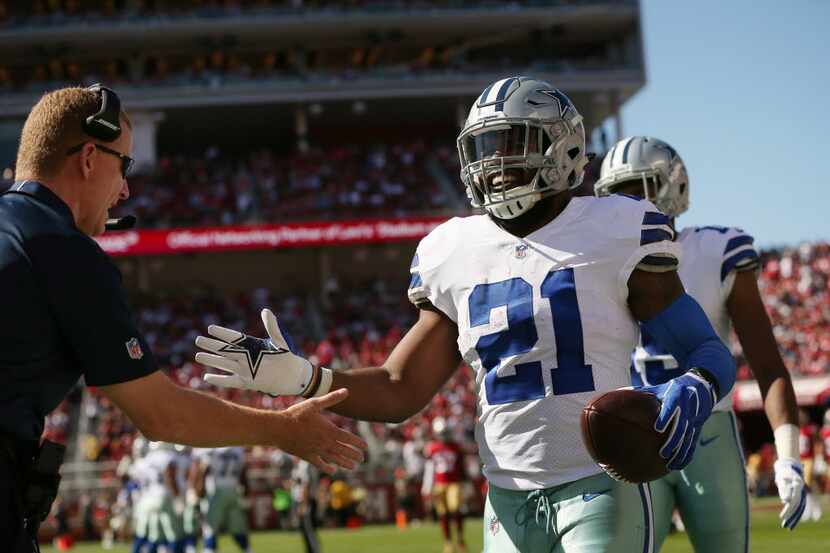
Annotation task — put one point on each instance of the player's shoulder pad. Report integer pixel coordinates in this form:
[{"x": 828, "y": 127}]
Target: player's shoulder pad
[
  {"x": 631, "y": 217},
  {"x": 432, "y": 251},
  {"x": 648, "y": 231},
  {"x": 731, "y": 247}
]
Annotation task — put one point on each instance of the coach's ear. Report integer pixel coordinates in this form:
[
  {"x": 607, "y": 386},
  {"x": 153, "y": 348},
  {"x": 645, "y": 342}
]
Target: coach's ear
[{"x": 86, "y": 159}]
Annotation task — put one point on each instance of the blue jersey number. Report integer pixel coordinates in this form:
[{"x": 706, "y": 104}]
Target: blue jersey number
[{"x": 571, "y": 375}]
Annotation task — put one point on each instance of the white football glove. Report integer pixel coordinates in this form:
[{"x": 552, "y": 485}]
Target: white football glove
[
  {"x": 268, "y": 366},
  {"x": 789, "y": 478}
]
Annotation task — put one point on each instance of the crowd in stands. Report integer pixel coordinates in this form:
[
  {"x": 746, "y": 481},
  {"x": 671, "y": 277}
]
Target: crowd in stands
[
  {"x": 61, "y": 12},
  {"x": 214, "y": 67},
  {"x": 795, "y": 286},
  {"x": 341, "y": 182}
]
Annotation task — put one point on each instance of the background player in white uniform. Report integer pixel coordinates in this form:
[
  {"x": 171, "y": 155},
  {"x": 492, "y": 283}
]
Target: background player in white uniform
[
  {"x": 140, "y": 479},
  {"x": 164, "y": 524},
  {"x": 718, "y": 268},
  {"x": 222, "y": 512},
  {"x": 540, "y": 296}
]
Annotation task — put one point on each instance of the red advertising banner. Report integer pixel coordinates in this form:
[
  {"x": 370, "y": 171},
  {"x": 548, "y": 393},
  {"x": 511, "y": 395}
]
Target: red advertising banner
[{"x": 256, "y": 237}]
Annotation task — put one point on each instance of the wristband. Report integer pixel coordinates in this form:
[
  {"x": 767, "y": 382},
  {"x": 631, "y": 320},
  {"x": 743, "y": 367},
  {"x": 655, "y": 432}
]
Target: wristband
[
  {"x": 320, "y": 384},
  {"x": 786, "y": 442}
]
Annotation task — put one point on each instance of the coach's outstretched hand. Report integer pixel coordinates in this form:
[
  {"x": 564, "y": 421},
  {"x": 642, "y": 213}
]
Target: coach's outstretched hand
[
  {"x": 271, "y": 366},
  {"x": 313, "y": 437},
  {"x": 687, "y": 403}
]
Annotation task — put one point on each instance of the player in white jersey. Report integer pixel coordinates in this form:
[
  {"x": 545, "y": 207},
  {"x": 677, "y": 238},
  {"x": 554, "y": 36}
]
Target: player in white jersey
[
  {"x": 140, "y": 481},
  {"x": 540, "y": 296},
  {"x": 164, "y": 525},
  {"x": 222, "y": 470},
  {"x": 718, "y": 269}
]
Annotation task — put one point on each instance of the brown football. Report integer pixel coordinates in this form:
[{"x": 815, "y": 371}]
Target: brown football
[{"x": 618, "y": 430}]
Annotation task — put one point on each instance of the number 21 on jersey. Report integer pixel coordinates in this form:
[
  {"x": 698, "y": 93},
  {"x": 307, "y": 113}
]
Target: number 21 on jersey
[{"x": 571, "y": 374}]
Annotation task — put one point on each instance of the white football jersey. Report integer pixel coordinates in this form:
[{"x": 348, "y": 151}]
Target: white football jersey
[
  {"x": 225, "y": 466},
  {"x": 156, "y": 464},
  {"x": 711, "y": 257},
  {"x": 140, "y": 476},
  {"x": 544, "y": 323}
]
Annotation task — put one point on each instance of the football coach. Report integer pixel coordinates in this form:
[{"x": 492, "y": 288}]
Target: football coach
[{"x": 64, "y": 315}]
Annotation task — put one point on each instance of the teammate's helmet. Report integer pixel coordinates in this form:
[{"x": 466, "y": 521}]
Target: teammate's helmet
[
  {"x": 523, "y": 140},
  {"x": 653, "y": 163},
  {"x": 140, "y": 447}
]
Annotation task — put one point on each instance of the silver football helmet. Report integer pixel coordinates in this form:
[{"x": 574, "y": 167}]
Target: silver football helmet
[
  {"x": 522, "y": 140},
  {"x": 653, "y": 163}
]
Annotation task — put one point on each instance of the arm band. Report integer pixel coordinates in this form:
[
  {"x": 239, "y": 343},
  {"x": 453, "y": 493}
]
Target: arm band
[{"x": 684, "y": 330}]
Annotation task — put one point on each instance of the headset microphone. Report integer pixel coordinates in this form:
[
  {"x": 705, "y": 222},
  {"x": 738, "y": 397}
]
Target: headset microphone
[{"x": 121, "y": 223}]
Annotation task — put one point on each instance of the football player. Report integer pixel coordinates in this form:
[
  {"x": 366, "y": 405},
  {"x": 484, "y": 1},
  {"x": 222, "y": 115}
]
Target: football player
[
  {"x": 222, "y": 473},
  {"x": 718, "y": 269},
  {"x": 541, "y": 296},
  {"x": 164, "y": 532},
  {"x": 446, "y": 462}
]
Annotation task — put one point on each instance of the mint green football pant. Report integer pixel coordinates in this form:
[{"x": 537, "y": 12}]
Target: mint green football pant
[
  {"x": 164, "y": 524},
  {"x": 224, "y": 513},
  {"x": 710, "y": 493},
  {"x": 141, "y": 517},
  {"x": 591, "y": 515}
]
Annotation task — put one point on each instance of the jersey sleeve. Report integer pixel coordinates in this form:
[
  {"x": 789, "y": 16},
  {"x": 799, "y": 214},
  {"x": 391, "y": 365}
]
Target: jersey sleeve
[
  {"x": 429, "y": 279},
  {"x": 84, "y": 290},
  {"x": 739, "y": 253},
  {"x": 650, "y": 237}
]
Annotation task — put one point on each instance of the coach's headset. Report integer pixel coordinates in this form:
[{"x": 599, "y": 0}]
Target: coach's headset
[{"x": 105, "y": 125}]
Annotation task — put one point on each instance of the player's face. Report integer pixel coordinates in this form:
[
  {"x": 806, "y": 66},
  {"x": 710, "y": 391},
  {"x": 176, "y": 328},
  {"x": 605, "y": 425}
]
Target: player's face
[
  {"x": 491, "y": 146},
  {"x": 632, "y": 188}
]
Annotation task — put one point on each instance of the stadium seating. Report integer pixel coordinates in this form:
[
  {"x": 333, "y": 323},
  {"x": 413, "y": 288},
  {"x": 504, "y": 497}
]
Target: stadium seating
[{"x": 344, "y": 182}]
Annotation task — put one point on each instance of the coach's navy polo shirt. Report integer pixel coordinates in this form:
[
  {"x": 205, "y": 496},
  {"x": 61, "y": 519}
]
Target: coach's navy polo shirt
[{"x": 63, "y": 313}]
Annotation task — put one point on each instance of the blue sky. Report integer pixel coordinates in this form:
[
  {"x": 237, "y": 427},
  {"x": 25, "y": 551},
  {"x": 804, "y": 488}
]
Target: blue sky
[{"x": 741, "y": 90}]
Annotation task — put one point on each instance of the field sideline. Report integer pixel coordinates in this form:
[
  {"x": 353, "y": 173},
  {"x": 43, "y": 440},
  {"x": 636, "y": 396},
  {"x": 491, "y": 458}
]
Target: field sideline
[{"x": 767, "y": 537}]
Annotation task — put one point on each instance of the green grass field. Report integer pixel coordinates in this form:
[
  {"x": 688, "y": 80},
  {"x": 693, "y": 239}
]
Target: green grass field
[{"x": 767, "y": 537}]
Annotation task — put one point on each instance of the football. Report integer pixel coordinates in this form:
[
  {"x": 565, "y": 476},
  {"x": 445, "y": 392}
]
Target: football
[{"x": 618, "y": 430}]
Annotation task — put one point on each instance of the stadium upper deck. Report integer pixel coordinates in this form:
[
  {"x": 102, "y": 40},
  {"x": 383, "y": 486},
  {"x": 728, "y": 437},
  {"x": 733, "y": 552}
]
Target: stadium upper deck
[{"x": 172, "y": 60}]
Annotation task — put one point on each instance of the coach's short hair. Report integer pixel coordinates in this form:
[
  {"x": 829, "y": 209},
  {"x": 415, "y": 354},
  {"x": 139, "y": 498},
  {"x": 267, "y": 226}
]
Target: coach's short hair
[{"x": 55, "y": 125}]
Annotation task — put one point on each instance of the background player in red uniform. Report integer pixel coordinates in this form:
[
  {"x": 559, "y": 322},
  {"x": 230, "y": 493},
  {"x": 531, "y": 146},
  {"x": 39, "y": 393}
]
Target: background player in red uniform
[
  {"x": 824, "y": 436},
  {"x": 808, "y": 433},
  {"x": 446, "y": 465}
]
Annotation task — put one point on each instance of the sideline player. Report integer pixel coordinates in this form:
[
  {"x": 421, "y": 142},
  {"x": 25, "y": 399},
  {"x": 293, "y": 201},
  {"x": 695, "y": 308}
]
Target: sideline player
[
  {"x": 222, "y": 470},
  {"x": 446, "y": 462},
  {"x": 540, "y": 296},
  {"x": 718, "y": 269},
  {"x": 807, "y": 440},
  {"x": 164, "y": 532}
]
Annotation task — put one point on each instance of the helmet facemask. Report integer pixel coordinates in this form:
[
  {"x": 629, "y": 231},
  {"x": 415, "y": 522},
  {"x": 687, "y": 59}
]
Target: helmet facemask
[{"x": 509, "y": 164}]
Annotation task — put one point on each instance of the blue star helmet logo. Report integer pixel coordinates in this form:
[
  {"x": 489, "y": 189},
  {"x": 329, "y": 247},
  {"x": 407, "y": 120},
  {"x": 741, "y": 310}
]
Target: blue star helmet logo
[
  {"x": 254, "y": 349},
  {"x": 560, "y": 99}
]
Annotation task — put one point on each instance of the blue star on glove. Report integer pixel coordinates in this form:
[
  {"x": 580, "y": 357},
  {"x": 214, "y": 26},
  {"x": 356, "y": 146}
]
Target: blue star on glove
[{"x": 687, "y": 403}]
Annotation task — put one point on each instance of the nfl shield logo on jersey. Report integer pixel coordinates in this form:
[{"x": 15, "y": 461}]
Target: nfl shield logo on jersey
[
  {"x": 495, "y": 525},
  {"x": 521, "y": 251},
  {"x": 134, "y": 349}
]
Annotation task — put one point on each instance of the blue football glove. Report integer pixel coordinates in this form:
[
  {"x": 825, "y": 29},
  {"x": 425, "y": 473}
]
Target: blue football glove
[{"x": 687, "y": 403}]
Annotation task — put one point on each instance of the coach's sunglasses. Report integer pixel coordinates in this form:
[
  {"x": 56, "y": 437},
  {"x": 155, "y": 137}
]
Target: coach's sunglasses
[{"x": 126, "y": 161}]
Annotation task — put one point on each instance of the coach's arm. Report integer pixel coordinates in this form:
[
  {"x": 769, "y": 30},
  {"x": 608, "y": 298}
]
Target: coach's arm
[{"x": 163, "y": 411}]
